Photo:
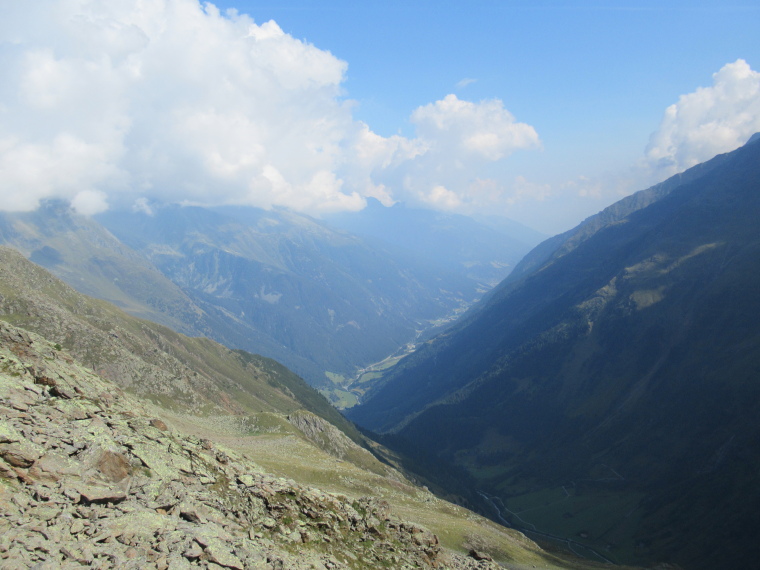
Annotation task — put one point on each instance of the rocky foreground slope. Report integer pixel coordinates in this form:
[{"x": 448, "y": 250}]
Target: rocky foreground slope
[{"x": 89, "y": 477}]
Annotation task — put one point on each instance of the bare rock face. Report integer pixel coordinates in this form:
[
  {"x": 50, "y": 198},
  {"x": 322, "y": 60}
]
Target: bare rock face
[{"x": 88, "y": 478}]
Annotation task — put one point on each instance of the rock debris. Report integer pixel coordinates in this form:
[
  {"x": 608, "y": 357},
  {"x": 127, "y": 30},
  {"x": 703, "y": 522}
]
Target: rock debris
[{"x": 89, "y": 478}]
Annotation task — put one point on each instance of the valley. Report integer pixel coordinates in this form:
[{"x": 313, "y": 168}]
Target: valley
[
  {"x": 334, "y": 285},
  {"x": 588, "y": 401},
  {"x": 277, "y": 283},
  {"x": 349, "y": 391}
]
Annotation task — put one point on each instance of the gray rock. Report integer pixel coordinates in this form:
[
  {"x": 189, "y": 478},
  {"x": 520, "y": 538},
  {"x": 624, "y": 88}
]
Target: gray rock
[
  {"x": 95, "y": 481},
  {"x": 21, "y": 453},
  {"x": 101, "y": 495}
]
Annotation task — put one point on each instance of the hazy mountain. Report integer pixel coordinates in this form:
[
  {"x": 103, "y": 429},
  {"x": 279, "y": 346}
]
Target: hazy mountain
[
  {"x": 315, "y": 299},
  {"x": 179, "y": 452},
  {"x": 608, "y": 389},
  {"x": 485, "y": 250},
  {"x": 276, "y": 283},
  {"x": 80, "y": 251},
  {"x": 186, "y": 374}
]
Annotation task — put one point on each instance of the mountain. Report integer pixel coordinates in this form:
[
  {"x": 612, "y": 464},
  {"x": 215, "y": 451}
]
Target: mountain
[
  {"x": 607, "y": 390},
  {"x": 92, "y": 478},
  {"x": 322, "y": 302},
  {"x": 193, "y": 375},
  {"x": 126, "y": 445},
  {"x": 83, "y": 253},
  {"x": 485, "y": 250}
]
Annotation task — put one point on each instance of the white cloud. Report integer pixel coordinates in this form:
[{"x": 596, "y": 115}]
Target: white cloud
[
  {"x": 166, "y": 99},
  {"x": 130, "y": 102},
  {"x": 442, "y": 198},
  {"x": 443, "y": 166},
  {"x": 90, "y": 202},
  {"x": 456, "y": 144},
  {"x": 486, "y": 129},
  {"x": 709, "y": 121}
]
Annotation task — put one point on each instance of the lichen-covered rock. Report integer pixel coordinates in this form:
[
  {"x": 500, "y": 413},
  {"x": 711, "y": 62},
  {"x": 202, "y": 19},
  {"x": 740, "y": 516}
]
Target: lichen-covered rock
[{"x": 88, "y": 478}]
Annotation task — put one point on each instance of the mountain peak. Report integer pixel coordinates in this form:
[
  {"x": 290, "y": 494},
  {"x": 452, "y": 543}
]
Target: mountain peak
[{"x": 753, "y": 139}]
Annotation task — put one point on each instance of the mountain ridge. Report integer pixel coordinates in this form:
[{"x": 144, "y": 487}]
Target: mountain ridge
[{"x": 324, "y": 302}]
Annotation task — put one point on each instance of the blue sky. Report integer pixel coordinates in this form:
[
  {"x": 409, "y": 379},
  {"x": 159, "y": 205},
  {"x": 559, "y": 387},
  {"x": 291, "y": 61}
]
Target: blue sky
[
  {"x": 558, "y": 65},
  {"x": 541, "y": 111}
]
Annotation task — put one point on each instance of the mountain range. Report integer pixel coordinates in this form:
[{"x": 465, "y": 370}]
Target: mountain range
[
  {"x": 324, "y": 302},
  {"x": 607, "y": 390},
  {"x": 485, "y": 250},
  {"x": 601, "y": 398}
]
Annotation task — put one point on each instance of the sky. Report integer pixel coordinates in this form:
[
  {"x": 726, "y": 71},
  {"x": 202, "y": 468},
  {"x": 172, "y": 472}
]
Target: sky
[{"x": 541, "y": 111}]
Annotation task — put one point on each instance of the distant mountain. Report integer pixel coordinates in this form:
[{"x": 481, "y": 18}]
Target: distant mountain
[
  {"x": 607, "y": 391},
  {"x": 185, "y": 374},
  {"x": 323, "y": 302},
  {"x": 485, "y": 250},
  {"x": 83, "y": 253},
  {"x": 318, "y": 300}
]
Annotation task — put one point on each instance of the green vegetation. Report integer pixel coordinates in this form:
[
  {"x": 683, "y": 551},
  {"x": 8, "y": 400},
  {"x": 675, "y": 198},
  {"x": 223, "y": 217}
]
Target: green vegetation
[
  {"x": 341, "y": 399},
  {"x": 587, "y": 516},
  {"x": 174, "y": 371}
]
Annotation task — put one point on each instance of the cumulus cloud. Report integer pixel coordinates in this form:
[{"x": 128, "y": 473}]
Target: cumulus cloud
[
  {"x": 457, "y": 142},
  {"x": 484, "y": 130},
  {"x": 166, "y": 99},
  {"x": 124, "y": 103},
  {"x": 709, "y": 121}
]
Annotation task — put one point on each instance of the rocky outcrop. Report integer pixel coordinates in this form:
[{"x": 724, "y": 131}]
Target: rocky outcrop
[{"x": 89, "y": 478}]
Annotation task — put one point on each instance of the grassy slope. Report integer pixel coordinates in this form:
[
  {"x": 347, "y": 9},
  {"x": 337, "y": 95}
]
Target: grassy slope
[
  {"x": 281, "y": 450},
  {"x": 82, "y": 253}
]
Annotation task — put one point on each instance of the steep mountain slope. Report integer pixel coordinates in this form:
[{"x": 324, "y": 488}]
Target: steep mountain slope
[
  {"x": 485, "y": 253},
  {"x": 89, "y": 478},
  {"x": 323, "y": 302},
  {"x": 90, "y": 474},
  {"x": 609, "y": 390},
  {"x": 561, "y": 244}
]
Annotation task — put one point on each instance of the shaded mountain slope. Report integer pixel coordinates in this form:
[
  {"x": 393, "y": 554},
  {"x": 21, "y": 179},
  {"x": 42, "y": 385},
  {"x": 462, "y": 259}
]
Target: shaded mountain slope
[
  {"x": 618, "y": 376},
  {"x": 563, "y": 243}
]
